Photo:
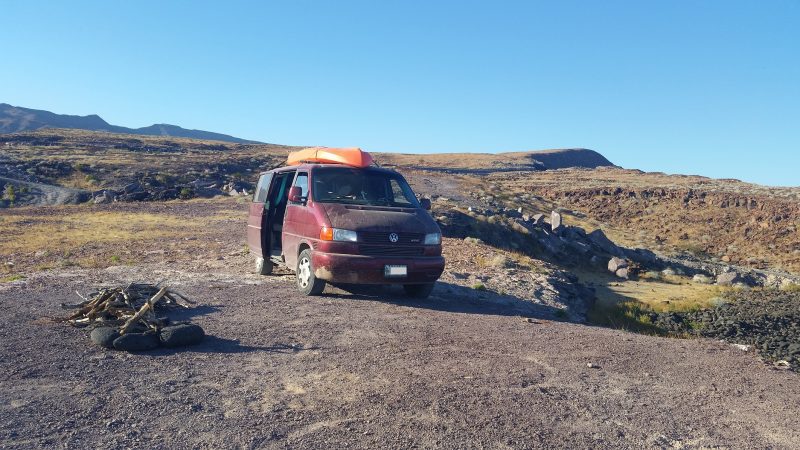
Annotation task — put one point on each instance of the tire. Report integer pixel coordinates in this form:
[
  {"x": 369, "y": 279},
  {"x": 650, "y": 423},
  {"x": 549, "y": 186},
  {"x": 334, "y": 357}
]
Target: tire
[
  {"x": 421, "y": 291},
  {"x": 307, "y": 282},
  {"x": 263, "y": 267}
]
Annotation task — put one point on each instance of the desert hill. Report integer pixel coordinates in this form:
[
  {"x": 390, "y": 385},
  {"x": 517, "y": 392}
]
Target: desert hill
[
  {"x": 14, "y": 119},
  {"x": 721, "y": 220}
]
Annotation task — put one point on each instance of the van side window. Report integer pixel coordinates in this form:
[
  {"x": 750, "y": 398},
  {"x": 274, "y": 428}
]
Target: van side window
[
  {"x": 262, "y": 189},
  {"x": 302, "y": 182}
]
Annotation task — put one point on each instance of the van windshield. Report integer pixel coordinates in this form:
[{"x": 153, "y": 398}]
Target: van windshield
[{"x": 361, "y": 187}]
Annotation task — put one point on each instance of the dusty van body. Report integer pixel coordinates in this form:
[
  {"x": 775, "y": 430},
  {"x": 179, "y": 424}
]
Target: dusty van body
[{"x": 340, "y": 224}]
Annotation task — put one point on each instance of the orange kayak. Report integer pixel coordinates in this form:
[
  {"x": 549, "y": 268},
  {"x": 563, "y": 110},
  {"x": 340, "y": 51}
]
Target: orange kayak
[{"x": 353, "y": 156}]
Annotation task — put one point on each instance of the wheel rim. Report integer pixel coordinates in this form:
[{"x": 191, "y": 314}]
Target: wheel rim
[{"x": 304, "y": 272}]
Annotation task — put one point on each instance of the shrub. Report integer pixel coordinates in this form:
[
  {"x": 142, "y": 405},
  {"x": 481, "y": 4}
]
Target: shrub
[
  {"x": 9, "y": 193},
  {"x": 479, "y": 287},
  {"x": 186, "y": 193}
]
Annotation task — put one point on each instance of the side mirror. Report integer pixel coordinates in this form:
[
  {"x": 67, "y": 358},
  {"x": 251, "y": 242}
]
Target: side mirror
[
  {"x": 425, "y": 203},
  {"x": 296, "y": 195}
]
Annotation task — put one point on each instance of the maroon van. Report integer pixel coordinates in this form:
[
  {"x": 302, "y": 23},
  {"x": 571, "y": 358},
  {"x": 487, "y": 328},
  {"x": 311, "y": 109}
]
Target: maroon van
[{"x": 341, "y": 224}]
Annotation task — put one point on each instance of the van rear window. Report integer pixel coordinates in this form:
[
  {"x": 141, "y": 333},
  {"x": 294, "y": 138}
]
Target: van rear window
[{"x": 361, "y": 187}]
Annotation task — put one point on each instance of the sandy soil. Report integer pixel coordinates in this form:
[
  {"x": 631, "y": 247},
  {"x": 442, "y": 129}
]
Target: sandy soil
[{"x": 279, "y": 370}]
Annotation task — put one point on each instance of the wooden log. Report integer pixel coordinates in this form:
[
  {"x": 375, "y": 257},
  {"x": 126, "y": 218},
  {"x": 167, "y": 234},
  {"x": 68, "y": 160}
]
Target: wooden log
[{"x": 148, "y": 306}]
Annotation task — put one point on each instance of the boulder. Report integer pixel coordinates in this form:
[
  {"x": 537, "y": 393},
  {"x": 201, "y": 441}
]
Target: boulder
[
  {"x": 131, "y": 188},
  {"x": 102, "y": 199},
  {"x": 538, "y": 219},
  {"x": 181, "y": 335},
  {"x": 134, "y": 196},
  {"x": 642, "y": 256},
  {"x": 614, "y": 264},
  {"x": 727, "y": 278},
  {"x": 622, "y": 273},
  {"x": 136, "y": 342},
  {"x": 104, "y": 336},
  {"x": 601, "y": 241},
  {"x": 556, "y": 222},
  {"x": 702, "y": 279}
]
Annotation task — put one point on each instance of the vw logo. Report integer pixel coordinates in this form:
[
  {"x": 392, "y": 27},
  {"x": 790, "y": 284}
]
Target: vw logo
[{"x": 393, "y": 237}]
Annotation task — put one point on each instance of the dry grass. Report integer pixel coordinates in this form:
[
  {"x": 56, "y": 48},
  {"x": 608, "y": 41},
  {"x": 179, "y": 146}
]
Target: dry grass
[
  {"x": 628, "y": 304},
  {"x": 22, "y": 233}
]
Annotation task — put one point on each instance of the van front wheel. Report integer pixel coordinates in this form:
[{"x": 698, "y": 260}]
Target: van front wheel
[
  {"x": 421, "y": 291},
  {"x": 307, "y": 282}
]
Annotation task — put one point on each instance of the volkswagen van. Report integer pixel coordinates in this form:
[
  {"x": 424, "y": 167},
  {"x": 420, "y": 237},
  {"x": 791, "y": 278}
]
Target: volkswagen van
[{"x": 333, "y": 216}]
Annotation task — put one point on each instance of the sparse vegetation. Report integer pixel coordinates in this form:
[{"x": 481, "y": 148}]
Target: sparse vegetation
[
  {"x": 11, "y": 278},
  {"x": 9, "y": 193}
]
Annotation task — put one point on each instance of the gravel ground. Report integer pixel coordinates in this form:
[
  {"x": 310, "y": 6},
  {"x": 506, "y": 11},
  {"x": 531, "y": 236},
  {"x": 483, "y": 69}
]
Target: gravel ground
[
  {"x": 767, "y": 320},
  {"x": 279, "y": 370}
]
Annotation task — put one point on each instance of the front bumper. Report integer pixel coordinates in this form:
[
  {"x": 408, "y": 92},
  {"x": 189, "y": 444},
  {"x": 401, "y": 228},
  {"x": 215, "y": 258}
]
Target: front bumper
[{"x": 360, "y": 269}]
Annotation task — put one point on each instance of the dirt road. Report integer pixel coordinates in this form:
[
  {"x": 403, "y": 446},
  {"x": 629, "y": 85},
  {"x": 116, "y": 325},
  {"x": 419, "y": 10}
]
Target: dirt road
[{"x": 280, "y": 371}]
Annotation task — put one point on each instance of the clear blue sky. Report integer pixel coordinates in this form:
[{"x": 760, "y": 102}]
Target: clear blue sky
[{"x": 693, "y": 87}]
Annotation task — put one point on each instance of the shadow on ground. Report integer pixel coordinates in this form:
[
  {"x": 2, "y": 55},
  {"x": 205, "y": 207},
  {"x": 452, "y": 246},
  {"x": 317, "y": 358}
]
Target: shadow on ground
[{"x": 450, "y": 297}]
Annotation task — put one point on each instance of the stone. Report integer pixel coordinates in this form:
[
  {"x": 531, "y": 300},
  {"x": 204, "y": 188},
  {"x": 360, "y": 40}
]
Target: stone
[
  {"x": 556, "y": 222},
  {"x": 136, "y": 342},
  {"x": 538, "y": 219},
  {"x": 622, "y": 273},
  {"x": 102, "y": 199},
  {"x": 614, "y": 264},
  {"x": 599, "y": 239},
  {"x": 702, "y": 279},
  {"x": 104, "y": 336},
  {"x": 131, "y": 188},
  {"x": 727, "y": 278},
  {"x": 181, "y": 335}
]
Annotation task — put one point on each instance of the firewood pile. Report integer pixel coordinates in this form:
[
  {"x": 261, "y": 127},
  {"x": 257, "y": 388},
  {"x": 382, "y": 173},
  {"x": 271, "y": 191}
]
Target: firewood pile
[{"x": 134, "y": 318}]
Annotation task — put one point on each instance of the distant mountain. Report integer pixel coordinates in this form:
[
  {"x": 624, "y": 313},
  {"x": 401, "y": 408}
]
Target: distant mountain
[{"x": 14, "y": 119}]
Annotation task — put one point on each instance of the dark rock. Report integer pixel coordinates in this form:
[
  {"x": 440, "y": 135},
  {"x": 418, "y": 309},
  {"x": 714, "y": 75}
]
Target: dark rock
[
  {"x": 136, "y": 342},
  {"x": 601, "y": 241},
  {"x": 104, "y": 336},
  {"x": 165, "y": 194},
  {"x": 134, "y": 197},
  {"x": 131, "y": 188},
  {"x": 181, "y": 335}
]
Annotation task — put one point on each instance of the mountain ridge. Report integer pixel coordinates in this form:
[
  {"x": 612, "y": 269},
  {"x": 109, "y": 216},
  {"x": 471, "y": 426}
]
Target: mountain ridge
[{"x": 15, "y": 119}]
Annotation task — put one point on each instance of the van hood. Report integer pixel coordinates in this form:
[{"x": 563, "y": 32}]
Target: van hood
[{"x": 377, "y": 218}]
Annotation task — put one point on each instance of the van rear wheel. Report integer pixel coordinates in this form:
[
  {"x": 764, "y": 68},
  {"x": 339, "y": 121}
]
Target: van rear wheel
[
  {"x": 420, "y": 291},
  {"x": 307, "y": 282},
  {"x": 263, "y": 267}
]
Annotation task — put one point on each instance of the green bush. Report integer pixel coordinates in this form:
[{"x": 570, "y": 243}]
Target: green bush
[
  {"x": 9, "y": 193},
  {"x": 186, "y": 193}
]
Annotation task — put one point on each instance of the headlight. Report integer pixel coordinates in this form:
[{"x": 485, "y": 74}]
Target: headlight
[
  {"x": 344, "y": 235},
  {"x": 433, "y": 239}
]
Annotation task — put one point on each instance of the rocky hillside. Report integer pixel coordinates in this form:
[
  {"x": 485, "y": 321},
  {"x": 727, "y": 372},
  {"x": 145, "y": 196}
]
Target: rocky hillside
[
  {"x": 14, "y": 119},
  {"x": 723, "y": 220}
]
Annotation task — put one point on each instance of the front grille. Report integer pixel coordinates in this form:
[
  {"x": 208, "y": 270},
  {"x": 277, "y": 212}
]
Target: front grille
[
  {"x": 379, "y": 237},
  {"x": 390, "y": 250}
]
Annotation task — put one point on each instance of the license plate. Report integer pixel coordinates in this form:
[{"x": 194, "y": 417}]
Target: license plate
[{"x": 395, "y": 271}]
